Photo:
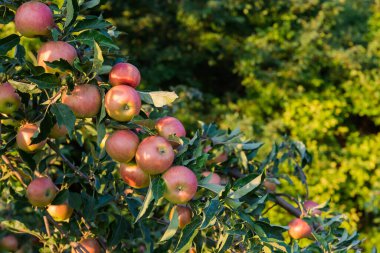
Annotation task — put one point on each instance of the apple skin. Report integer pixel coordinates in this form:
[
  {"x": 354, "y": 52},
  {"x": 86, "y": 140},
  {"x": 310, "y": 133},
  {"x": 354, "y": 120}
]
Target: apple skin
[
  {"x": 24, "y": 138},
  {"x": 299, "y": 228},
  {"x": 269, "y": 185},
  {"x": 9, "y": 243},
  {"x": 184, "y": 215},
  {"x": 58, "y": 131},
  {"x": 54, "y": 51},
  {"x": 61, "y": 212},
  {"x": 122, "y": 145},
  {"x": 122, "y": 103},
  {"x": 90, "y": 244},
  {"x": 308, "y": 205},
  {"x": 181, "y": 184},
  {"x": 192, "y": 250},
  {"x": 154, "y": 155},
  {"x": 9, "y": 100},
  {"x": 124, "y": 74},
  {"x": 85, "y": 100},
  {"x": 41, "y": 191},
  {"x": 215, "y": 178},
  {"x": 134, "y": 176},
  {"x": 167, "y": 126},
  {"x": 34, "y": 18}
]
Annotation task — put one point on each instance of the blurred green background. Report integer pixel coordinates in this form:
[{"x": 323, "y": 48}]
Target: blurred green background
[{"x": 307, "y": 69}]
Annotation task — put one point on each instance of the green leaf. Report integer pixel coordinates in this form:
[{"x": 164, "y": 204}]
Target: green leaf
[
  {"x": 98, "y": 58},
  {"x": 25, "y": 87},
  {"x": 172, "y": 228},
  {"x": 45, "y": 81},
  {"x": 187, "y": 235},
  {"x": 87, "y": 37},
  {"x": 158, "y": 98},
  {"x": 210, "y": 213},
  {"x": 65, "y": 117},
  {"x": 253, "y": 184},
  {"x": 61, "y": 197},
  {"x": 8, "y": 43},
  {"x": 118, "y": 230},
  {"x": 60, "y": 64},
  {"x": 212, "y": 187},
  {"x": 158, "y": 188},
  {"x": 90, "y": 4},
  {"x": 72, "y": 9},
  {"x": 45, "y": 127},
  {"x": 91, "y": 23},
  {"x": 225, "y": 242},
  {"x": 148, "y": 199},
  {"x": 6, "y": 16},
  {"x": 19, "y": 227},
  {"x": 75, "y": 200}
]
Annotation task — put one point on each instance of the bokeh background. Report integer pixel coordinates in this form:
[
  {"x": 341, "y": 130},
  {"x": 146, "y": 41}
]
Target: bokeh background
[{"x": 306, "y": 69}]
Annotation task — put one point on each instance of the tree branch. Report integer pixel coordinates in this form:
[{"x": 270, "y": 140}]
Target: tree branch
[{"x": 14, "y": 171}]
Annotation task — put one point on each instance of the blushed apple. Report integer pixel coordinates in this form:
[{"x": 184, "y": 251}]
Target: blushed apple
[
  {"x": 9, "y": 100},
  {"x": 122, "y": 145},
  {"x": 41, "y": 191},
  {"x": 85, "y": 100},
  {"x": 124, "y": 74},
  {"x": 24, "y": 138}
]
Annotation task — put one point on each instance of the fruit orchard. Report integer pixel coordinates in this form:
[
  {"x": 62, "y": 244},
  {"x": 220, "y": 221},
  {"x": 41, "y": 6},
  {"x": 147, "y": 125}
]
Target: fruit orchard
[{"x": 91, "y": 163}]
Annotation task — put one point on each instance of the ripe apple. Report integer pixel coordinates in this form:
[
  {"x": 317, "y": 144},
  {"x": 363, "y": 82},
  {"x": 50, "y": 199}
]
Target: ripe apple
[
  {"x": 192, "y": 250},
  {"x": 124, "y": 73},
  {"x": 299, "y": 228},
  {"x": 58, "y": 131},
  {"x": 134, "y": 176},
  {"x": 34, "y": 18},
  {"x": 167, "y": 126},
  {"x": 269, "y": 185},
  {"x": 41, "y": 191},
  {"x": 24, "y": 138},
  {"x": 9, "y": 243},
  {"x": 9, "y": 100},
  {"x": 184, "y": 215},
  {"x": 90, "y": 244},
  {"x": 308, "y": 205},
  {"x": 181, "y": 184},
  {"x": 122, "y": 103},
  {"x": 54, "y": 51},
  {"x": 85, "y": 100},
  {"x": 60, "y": 212},
  {"x": 122, "y": 145},
  {"x": 154, "y": 155},
  {"x": 214, "y": 179}
]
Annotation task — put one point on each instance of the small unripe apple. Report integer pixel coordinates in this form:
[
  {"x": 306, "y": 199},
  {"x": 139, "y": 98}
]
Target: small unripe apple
[
  {"x": 167, "y": 126},
  {"x": 220, "y": 158},
  {"x": 58, "y": 131},
  {"x": 299, "y": 228},
  {"x": 308, "y": 205},
  {"x": 269, "y": 185},
  {"x": 192, "y": 250},
  {"x": 61, "y": 212},
  {"x": 24, "y": 138},
  {"x": 134, "y": 176},
  {"x": 41, "y": 191},
  {"x": 9, "y": 100},
  {"x": 90, "y": 244},
  {"x": 34, "y": 18},
  {"x": 85, "y": 100},
  {"x": 181, "y": 184},
  {"x": 124, "y": 74},
  {"x": 122, "y": 145},
  {"x": 154, "y": 155},
  {"x": 214, "y": 179},
  {"x": 122, "y": 103},
  {"x": 9, "y": 243},
  {"x": 184, "y": 215},
  {"x": 54, "y": 51}
]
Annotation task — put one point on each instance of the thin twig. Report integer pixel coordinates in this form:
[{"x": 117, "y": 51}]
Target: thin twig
[
  {"x": 56, "y": 225},
  {"x": 14, "y": 171},
  {"x": 47, "y": 226}
]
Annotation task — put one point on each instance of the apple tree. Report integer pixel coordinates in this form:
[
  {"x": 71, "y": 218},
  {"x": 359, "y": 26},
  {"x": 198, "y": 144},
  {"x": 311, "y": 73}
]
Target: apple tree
[{"x": 91, "y": 163}]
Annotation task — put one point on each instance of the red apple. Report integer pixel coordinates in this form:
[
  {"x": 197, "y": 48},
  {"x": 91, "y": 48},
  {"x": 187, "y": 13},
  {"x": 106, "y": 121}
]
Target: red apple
[
  {"x": 58, "y": 131},
  {"x": 9, "y": 100},
  {"x": 24, "y": 138},
  {"x": 214, "y": 179},
  {"x": 54, "y": 51},
  {"x": 299, "y": 228},
  {"x": 181, "y": 184},
  {"x": 85, "y": 100},
  {"x": 90, "y": 244},
  {"x": 41, "y": 191},
  {"x": 124, "y": 73},
  {"x": 154, "y": 155},
  {"x": 167, "y": 126},
  {"x": 34, "y": 18},
  {"x": 121, "y": 146},
  {"x": 9, "y": 243},
  {"x": 269, "y": 185},
  {"x": 184, "y": 215},
  {"x": 310, "y": 205},
  {"x": 60, "y": 212},
  {"x": 134, "y": 176},
  {"x": 122, "y": 103}
]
